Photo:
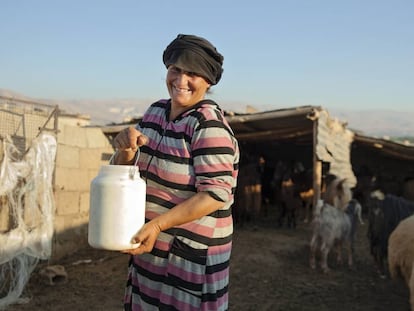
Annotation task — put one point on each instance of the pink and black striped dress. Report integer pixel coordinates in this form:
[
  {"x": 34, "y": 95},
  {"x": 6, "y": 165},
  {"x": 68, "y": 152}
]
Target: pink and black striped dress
[{"x": 188, "y": 269}]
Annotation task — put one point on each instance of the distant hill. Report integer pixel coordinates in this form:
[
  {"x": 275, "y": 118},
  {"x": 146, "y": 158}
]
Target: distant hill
[
  {"x": 379, "y": 122},
  {"x": 102, "y": 112}
]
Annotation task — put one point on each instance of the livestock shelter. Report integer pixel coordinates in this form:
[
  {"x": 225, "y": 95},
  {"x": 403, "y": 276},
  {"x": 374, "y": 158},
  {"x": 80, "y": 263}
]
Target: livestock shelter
[
  {"x": 321, "y": 143},
  {"x": 306, "y": 135},
  {"x": 384, "y": 164},
  {"x": 324, "y": 144}
]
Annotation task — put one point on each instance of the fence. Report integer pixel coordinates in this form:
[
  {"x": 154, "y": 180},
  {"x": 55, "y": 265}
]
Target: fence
[{"x": 24, "y": 120}]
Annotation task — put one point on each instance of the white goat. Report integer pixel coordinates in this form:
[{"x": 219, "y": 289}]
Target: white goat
[
  {"x": 337, "y": 192},
  {"x": 334, "y": 227},
  {"x": 401, "y": 254}
]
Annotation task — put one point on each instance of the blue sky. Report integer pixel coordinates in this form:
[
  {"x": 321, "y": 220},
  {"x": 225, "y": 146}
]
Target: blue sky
[{"x": 354, "y": 54}]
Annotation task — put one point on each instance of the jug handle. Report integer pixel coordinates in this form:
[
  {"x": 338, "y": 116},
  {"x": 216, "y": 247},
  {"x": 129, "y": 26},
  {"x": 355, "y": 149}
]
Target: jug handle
[
  {"x": 136, "y": 157},
  {"x": 134, "y": 169}
]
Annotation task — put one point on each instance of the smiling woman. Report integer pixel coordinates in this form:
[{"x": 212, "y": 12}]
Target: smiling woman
[
  {"x": 189, "y": 160},
  {"x": 193, "y": 66},
  {"x": 185, "y": 89}
]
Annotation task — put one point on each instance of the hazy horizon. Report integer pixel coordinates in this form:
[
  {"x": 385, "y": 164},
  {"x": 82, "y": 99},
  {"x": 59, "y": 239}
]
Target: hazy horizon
[{"x": 375, "y": 122}]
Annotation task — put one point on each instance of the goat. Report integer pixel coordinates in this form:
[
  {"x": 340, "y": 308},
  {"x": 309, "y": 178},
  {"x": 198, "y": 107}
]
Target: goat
[
  {"x": 247, "y": 199},
  {"x": 290, "y": 203},
  {"x": 385, "y": 212},
  {"x": 294, "y": 185},
  {"x": 401, "y": 254},
  {"x": 334, "y": 227},
  {"x": 337, "y": 193},
  {"x": 307, "y": 199}
]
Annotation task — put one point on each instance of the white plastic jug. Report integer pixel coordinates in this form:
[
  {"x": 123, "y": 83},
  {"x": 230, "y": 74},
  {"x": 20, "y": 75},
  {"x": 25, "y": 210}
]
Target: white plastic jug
[{"x": 117, "y": 207}]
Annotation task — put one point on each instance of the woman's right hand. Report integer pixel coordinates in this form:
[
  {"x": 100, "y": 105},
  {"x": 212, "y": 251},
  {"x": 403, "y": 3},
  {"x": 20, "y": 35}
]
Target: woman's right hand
[
  {"x": 129, "y": 139},
  {"x": 127, "y": 143}
]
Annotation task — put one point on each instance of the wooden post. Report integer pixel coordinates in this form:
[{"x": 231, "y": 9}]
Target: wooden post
[{"x": 317, "y": 167}]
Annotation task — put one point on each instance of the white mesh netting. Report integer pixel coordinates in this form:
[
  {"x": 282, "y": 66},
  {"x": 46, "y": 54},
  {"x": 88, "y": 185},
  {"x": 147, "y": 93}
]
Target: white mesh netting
[{"x": 26, "y": 196}]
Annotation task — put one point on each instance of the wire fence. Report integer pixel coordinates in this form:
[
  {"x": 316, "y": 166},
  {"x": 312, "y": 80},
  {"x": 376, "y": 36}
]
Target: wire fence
[{"x": 24, "y": 120}]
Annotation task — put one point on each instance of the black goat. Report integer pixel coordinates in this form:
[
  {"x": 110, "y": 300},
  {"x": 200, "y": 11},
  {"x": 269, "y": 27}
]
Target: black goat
[{"x": 385, "y": 212}]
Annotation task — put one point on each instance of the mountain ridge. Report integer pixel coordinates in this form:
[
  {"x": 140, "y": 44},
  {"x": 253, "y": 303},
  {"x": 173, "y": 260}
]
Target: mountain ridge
[{"x": 111, "y": 111}]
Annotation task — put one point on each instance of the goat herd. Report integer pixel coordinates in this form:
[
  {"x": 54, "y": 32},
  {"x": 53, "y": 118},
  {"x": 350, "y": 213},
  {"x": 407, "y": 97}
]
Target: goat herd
[{"x": 335, "y": 218}]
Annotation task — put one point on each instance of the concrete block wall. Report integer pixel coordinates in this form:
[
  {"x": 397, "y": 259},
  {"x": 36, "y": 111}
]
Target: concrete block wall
[{"x": 81, "y": 151}]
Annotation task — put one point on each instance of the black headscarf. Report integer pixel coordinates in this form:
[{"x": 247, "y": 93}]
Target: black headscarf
[{"x": 194, "y": 54}]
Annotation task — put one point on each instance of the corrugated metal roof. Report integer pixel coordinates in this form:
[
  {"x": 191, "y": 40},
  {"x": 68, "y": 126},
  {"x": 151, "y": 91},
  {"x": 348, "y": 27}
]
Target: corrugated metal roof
[
  {"x": 297, "y": 126},
  {"x": 294, "y": 124},
  {"x": 283, "y": 124},
  {"x": 386, "y": 147}
]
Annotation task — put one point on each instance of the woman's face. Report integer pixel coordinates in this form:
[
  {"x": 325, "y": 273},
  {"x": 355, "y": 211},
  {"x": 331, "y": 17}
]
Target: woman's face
[{"x": 185, "y": 88}]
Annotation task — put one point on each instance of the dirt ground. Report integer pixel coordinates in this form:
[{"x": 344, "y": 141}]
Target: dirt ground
[{"x": 269, "y": 271}]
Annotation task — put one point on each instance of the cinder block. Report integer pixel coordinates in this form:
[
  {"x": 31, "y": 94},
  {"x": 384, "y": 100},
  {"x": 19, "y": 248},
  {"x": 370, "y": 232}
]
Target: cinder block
[
  {"x": 74, "y": 224},
  {"x": 73, "y": 136},
  {"x": 93, "y": 158},
  {"x": 59, "y": 222},
  {"x": 96, "y": 138},
  {"x": 92, "y": 174},
  {"x": 67, "y": 202},
  {"x": 72, "y": 179},
  {"x": 67, "y": 156},
  {"x": 77, "y": 224},
  {"x": 84, "y": 203}
]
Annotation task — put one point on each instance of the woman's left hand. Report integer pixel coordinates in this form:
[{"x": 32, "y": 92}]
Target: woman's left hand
[{"x": 146, "y": 238}]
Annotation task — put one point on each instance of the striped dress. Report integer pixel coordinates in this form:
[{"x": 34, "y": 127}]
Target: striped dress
[{"x": 188, "y": 268}]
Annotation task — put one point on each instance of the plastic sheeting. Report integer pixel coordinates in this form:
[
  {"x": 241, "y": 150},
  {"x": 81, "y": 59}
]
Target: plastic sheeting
[
  {"x": 27, "y": 186},
  {"x": 333, "y": 145}
]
